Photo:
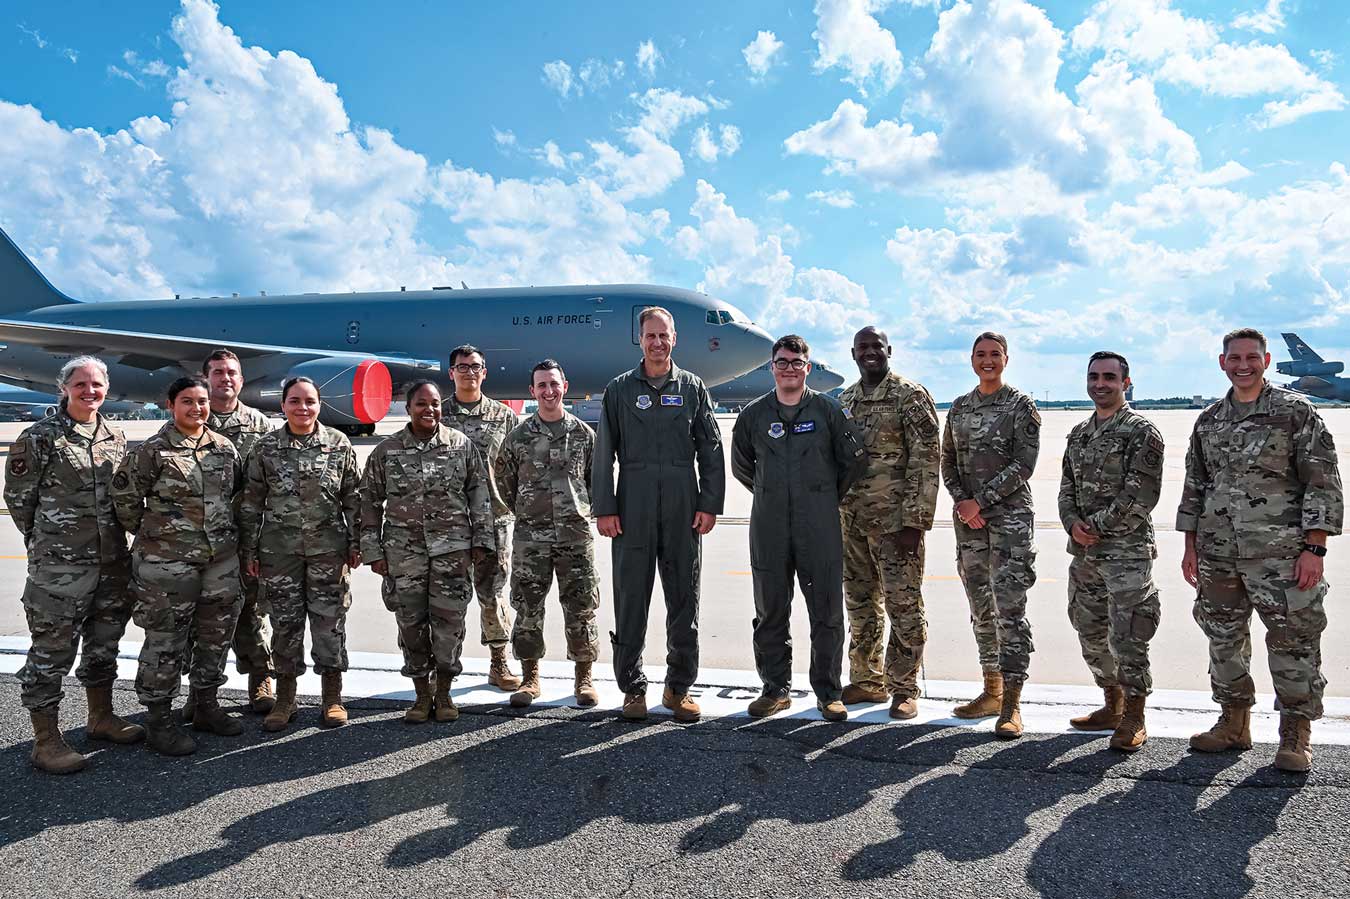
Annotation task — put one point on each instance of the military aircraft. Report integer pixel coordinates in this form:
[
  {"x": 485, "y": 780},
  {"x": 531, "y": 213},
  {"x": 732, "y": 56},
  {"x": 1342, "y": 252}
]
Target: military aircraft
[
  {"x": 1312, "y": 374},
  {"x": 33, "y": 405},
  {"x": 360, "y": 348},
  {"x": 753, "y": 384}
]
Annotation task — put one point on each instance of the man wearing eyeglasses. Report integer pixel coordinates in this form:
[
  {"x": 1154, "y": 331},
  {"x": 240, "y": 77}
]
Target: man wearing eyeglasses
[
  {"x": 798, "y": 453},
  {"x": 486, "y": 423}
]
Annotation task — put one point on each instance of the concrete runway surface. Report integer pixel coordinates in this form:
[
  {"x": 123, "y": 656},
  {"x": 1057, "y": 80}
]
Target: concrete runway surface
[{"x": 557, "y": 802}]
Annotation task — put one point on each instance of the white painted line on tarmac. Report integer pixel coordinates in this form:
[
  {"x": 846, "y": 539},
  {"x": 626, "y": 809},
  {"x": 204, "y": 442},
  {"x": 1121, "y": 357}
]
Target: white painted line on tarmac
[{"x": 725, "y": 693}]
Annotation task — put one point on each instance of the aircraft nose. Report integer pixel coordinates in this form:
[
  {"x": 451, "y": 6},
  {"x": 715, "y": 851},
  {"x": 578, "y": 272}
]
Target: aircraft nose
[{"x": 745, "y": 346}]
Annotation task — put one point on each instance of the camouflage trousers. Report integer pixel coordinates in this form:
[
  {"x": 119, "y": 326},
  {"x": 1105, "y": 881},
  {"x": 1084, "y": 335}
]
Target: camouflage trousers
[
  {"x": 489, "y": 583},
  {"x": 66, "y": 605},
  {"x": 317, "y": 588},
  {"x": 533, "y": 566},
  {"x": 188, "y": 612},
  {"x": 997, "y": 564},
  {"x": 1114, "y": 607},
  {"x": 253, "y": 636},
  {"x": 429, "y": 596},
  {"x": 881, "y": 583},
  {"x": 1294, "y": 620}
]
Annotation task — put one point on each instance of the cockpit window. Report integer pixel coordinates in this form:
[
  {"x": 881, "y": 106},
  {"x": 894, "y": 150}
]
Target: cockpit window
[
  {"x": 711, "y": 317},
  {"x": 725, "y": 316}
]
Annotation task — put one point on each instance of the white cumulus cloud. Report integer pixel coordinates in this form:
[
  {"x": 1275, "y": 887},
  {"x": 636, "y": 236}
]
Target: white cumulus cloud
[
  {"x": 848, "y": 35},
  {"x": 760, "y": 53},
  {"x": 648, "y": 58},
  {"x": 839, "y": 199}
]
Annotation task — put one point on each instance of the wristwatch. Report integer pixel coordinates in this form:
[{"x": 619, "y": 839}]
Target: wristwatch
[{"x": 1314, "y": 549}]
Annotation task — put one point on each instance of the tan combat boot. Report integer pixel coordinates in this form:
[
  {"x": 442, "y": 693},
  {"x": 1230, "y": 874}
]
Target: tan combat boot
[
  {"x": 987, "y": 703},
  {"x": 529, "y": 688},
  {"x": 770, "y": 702},
  {"x": 420, "y": 711},
  {"x": 50, "y": 751},
  {"x": 682, "y": 705},
  {"x": 211, "y": 717},
  {"x": 834, "y": 710},
  {"x": 1108, "y": 716},
  {"x": 583, "y": 688},
  {"x": 904, "y": 707},
  {"x": 1130, "y": 734},
  {"x": 284, "y": 707},
  {"x": 1295, "y": 752},
  {"x": 635, "y": 706},
  {"x": 499, "y": 673},
  {"x": 261, "y": 699},
  {"x": 334, "y": 714},
  {"x": 446, "y": 710},
  {"x": 1233, "y": 730},
  {"x": 855, "y": 694},
  {"x": 1009, "y": 724},
  {"x": 162, "y": 733},
  {"x": 104, "y": 723}
]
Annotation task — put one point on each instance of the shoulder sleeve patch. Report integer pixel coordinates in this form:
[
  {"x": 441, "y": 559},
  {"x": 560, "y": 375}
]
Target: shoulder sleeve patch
[
  {"x": 1328, "y": 442},
  {"x": 121, "y": 480},
  {"x": 18, "y": 466}
]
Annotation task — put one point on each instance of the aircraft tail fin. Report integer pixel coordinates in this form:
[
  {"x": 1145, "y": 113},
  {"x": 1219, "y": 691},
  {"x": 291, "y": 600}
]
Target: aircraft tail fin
[
  {"x": 1300, "y": 351},
  {"x": 22, "y": 286}
]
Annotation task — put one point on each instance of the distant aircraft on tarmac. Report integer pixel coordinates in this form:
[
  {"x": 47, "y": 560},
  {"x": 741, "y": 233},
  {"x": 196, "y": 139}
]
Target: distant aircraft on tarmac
[
  {"x": 33, "y": 405},
  {"x": 1312, "y": 374},
  {"x": 360, "y": 348},
  {"x": 754, "y": 384}
]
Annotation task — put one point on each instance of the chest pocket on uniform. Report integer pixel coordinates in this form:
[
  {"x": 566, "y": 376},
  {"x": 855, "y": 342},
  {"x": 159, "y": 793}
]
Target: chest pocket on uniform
[
  {"x": 1273, "y": 448},
  {"x": 1213, "y": 439}
]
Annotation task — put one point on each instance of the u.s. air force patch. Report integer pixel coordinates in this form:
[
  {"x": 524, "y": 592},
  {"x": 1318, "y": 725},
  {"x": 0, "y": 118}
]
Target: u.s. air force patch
[
  {"x": 776, "y": 430},
  {"x": 121, "y": 480},
  {"x": 18, "y": 466},
  {"x": 644, "y": 402}
]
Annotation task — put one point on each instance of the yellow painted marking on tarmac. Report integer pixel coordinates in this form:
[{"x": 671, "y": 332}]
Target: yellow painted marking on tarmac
[
  {"x": 14, "y": 557},
  {"x": 738, "y": 573}
]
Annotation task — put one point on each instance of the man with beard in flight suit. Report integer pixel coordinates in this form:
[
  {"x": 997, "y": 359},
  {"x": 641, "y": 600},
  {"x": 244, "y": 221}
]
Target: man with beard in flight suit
[
  {"x": 798, "y": 453},
  {"x": 657, "y": 420}
]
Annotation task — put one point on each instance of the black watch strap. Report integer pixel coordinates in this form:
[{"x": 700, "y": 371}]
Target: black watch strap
[{"x": 1315, "y": 550}]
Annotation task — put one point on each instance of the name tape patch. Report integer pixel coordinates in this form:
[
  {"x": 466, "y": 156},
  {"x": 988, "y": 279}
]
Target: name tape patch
[
  {"x": 803, "y": 427},
  {"x": 668, "y": 399}
]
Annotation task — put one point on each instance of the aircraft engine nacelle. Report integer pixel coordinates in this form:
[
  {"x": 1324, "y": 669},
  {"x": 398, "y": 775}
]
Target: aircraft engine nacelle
[
  {"x": 356, "y": 391},
  {"x": 1315, "y": 369}
]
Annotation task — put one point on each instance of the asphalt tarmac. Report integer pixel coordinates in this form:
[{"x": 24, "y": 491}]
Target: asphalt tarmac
[{"x": 561, "y": 803}]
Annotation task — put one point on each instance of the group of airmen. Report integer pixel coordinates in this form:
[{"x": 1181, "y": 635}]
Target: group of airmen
[{"x": 236, "y": 524}]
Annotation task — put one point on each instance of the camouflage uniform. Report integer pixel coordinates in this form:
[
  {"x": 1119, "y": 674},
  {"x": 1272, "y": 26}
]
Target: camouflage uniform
[
  {"x": 244, "y": 427},
  {"x": 57, "y": 491},
  {"x": 1257, "y": 480},
  {"x": 988, "y": 454},
  {"x": 546, "y": 480},
  {"x": 422, "y": 508},
  {"x": 1112, "y": 477},
  {"x": 298, "y": 520},
  {"x": 899, "y": 490},
  {"x": 177, "y": 496},
  {"x": 487, "y": 427}
]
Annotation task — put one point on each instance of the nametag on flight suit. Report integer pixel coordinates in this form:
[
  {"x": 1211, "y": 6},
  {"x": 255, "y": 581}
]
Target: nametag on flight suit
[
  {"x": 803, "y": 427},
  {"x": 644, "y": 402},
  {"x": 776, "y": 430},
  {"x": 672, "y": 399}
]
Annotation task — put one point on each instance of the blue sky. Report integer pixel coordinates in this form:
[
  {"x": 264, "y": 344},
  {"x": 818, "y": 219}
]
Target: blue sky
[{"x": 1140, "y": 175}]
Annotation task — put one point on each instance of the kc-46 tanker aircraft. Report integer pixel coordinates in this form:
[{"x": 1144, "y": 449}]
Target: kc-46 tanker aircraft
[{"x": 361, "y": 347}]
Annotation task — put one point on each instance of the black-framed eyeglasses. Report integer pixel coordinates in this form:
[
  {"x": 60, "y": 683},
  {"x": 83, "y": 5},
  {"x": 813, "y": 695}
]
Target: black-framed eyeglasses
[
  {"x": 470, "y": 368},
  {"x": 794, "y": 364}
]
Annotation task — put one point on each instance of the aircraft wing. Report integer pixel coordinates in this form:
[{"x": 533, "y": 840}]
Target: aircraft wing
[
  {"x": 1300, "y": 351},
  {"x": 154, "y": 351}
]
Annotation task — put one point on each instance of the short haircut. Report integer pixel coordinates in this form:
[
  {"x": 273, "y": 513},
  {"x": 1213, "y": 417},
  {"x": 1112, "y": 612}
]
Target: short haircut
[
  {"x": 1107, "y": 354},
  {"x": 1244, "y": 334},
  {"x": 217, "y": 356},
  {"x": 466, "y": 350},
  {"x": 793, "y": 343},
  {"x": 416, "y": 386},
  {"x": 298, "y": 379},
  {"x": 187, "y": 383},
  {"x": 994, "y": 336},
  {"x": 548, "y": 365},
  {"x": 68, "y": 370},
  {"x": 655, "y": 310}
]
